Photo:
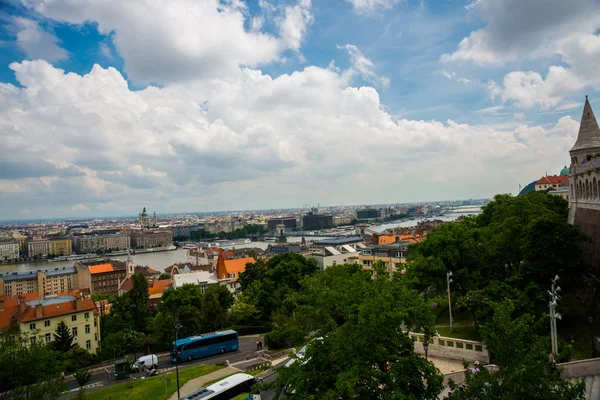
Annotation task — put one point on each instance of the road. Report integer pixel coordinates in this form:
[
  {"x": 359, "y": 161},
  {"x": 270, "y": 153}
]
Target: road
[{"x": 104, "y": 378}]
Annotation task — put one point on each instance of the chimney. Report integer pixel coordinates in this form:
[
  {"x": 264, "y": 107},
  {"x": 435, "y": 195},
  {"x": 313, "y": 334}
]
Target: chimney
[
  {"x": 38, "y": 311},
  {"x": 79, "y": 304},
  {"x": 22, "y": 304}
]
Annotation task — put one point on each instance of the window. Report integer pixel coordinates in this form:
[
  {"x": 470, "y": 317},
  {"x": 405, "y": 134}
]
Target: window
[
  {"x": 31, "y": 326},
  {"x": 88, "y": 344},
  {"x": 96, "y": 337},
  {"x": 87, "y": 315},
  {"x": 33, "y": 340},
  {"x": 95, "y": 323},
  {"x": 73, "y": 318},
  {"x": 48, "y": 338},
  {"x": 47, "y": 323},
  {"x": 75, "y": 331},
  {"x": 87, "y": 328}
]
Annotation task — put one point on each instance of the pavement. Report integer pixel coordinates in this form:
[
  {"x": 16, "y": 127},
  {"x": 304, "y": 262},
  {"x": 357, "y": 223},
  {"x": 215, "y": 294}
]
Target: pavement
[{"x": 102, "y": 376}]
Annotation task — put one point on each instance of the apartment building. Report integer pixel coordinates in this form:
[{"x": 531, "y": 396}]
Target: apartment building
[
  {"x": 38, "y": 248},
  {"x": 60, "y": 246},
  {"x": 46, "y": 282},
  {"x": 9, "y": 251},
  {"x": 146, "y": 239},
  {"x": 39, "y": 318},
  {"x": 393, "y": 256}
]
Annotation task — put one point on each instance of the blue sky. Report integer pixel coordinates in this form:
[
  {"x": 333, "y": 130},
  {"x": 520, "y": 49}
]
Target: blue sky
[{"x": 207, "y": 105}]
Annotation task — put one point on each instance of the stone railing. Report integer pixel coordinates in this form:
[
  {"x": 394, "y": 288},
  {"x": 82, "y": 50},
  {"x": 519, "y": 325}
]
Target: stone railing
[
  {"x": 577, "y": 369},
  {"x": 269, "y": 355},
  {"x": 262, "y": 365},
  {"x": 456, "y": 349},
  {"x": 583, "y": 168}
]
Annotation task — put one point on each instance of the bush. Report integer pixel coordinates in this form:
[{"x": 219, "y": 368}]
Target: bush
[
  {"x": 250, "y": 329},
  {"x": 284, "y": 336}
]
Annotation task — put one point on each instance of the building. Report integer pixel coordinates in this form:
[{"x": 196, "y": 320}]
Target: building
[
  {"x": 185, "y": 231},
  {"x": 342, "y": 220},
  {"x": 47, "y": 282},
  {"x": 228, "y": 271},
  {"x": 284, "y": 248},
  {"x": 144, "y": 219},
  {"x": 21, "y": 239},
  {"x": 148, "y": 239},
  {"x": 9, "y": 251},
  {"x": 156, "y": 291},
  {"x": 288, "y": 222},
  {"x": 107, "y": 278},
  {"x": 60, "y": 246},
  {"x": 148, "y": 273},
  {"x": 201, "y": 278},
  {"x": 330, "y": 256},
  {"x": 368, "y": 214},
  {"x": 393, "y": 256},
  {"x": 584, "y": 178},
  {"x": 118, "y": 241},
  {"x": 38, "y": 248},
  {"x": 39, "y": 318},
  {"x": 351, "y": 241},
  {"x": 88, "y": 243},
  {"x": 316, "y": 221}
]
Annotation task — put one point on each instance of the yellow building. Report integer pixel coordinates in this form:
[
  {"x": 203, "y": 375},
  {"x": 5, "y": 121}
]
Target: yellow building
[
  {"x": 61, "y": 247},
  {"x": 393, "y": 256},
  {"x": 38, "y": 319}
]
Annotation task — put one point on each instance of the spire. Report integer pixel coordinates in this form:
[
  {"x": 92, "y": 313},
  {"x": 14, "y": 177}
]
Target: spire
[{"x": 589, "y": 132}]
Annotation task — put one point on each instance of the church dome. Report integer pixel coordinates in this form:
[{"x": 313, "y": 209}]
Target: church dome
[{"x": 564, "y": 171}]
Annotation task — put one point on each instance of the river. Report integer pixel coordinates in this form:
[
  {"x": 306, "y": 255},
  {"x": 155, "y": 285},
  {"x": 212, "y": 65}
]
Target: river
[
  {"x": 158, "y": 261},
  {"x": 164, "y": 259}
]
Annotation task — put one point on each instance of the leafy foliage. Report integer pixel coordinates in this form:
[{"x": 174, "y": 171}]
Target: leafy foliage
[{"x": 82, "y": 376}]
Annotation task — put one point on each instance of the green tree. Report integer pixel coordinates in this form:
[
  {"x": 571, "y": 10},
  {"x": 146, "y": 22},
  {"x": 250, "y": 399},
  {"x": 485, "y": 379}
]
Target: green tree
[
  {"x": 524, "y": 369},
  {"x": 215, "y": 305},
  {"x": 139, "y": 296},
  {"x": 82, "y": 376},
  {"x": 164, "y": 276},
  {"x": 63, "y": 340},
  {"x": 361, "y": 350}
]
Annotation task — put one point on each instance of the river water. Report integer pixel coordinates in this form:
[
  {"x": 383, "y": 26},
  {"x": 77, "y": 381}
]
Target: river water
[
  {"x": 164, "y": 259},
  {"x": 158, "y": 260}
]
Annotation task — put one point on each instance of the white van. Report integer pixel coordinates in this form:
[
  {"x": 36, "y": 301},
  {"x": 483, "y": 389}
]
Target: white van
[{"x": 149, "y": 362}]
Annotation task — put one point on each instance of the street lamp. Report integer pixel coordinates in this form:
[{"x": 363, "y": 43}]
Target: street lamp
[
  {"x": 426, "y": 345},
  {"x": 448, "y": 281},
  {"x": 554, "y": 315},
  {"x": 177, "y": 327}
]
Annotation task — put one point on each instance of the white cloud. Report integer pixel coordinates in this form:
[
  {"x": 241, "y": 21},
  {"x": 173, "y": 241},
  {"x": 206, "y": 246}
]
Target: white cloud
[
  {"x": 536, "y": 30},
  {"x": 364, "y": 66},
  {"x": 245, "y": 141},
  {"x": 491, "y": 110},
  {"x": 518, "y": 29},
  {"x": 370, "y": 6},
  {"x": 36, "y": 42},
  {"x": 80, "y": 207},
  {"x": 171, "y": 41},
  {"x": 294, "y": 24}
]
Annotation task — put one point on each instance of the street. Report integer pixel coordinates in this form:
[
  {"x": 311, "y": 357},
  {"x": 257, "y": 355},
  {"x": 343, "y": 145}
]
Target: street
[{"x": 104, "y": 378}]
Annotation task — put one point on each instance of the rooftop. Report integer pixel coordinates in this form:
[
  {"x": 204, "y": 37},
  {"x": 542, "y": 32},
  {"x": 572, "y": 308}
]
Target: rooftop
[
  {"x": 195, "y": 278},
  {"x": 54, "y": 309},
  {"x": 101, "y": 268},
  {"x": 16, "y": 276},
  {"x": 553, "y": 179},
  {"x": 589, "y": 132},
  {"x": 339, "y": 241}
]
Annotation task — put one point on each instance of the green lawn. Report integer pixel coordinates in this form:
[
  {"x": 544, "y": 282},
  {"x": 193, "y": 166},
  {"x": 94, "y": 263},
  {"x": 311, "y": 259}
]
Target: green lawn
[
  {"x": 151, "y": 388},
  {"x": 462, "y": 326}
]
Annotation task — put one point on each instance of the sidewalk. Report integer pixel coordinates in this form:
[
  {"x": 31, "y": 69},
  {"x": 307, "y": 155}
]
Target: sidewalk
[
  {"x": 199, "y": 382},
  {"x": 446, "y": 365}
]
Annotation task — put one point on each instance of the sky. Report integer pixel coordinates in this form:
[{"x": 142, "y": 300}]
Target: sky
[{"x": 107, "y": 106}]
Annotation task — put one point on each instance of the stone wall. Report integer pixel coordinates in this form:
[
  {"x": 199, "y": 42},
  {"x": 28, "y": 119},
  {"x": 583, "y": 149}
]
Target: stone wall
[{"x": 589, "y": 222}]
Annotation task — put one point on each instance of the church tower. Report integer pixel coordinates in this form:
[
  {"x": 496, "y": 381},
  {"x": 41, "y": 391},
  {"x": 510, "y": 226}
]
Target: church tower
[{"x": 584, "y": 178}]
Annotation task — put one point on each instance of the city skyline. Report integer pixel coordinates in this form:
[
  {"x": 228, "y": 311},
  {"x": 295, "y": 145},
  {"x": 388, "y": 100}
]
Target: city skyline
[{"x": 262, "y": 105}]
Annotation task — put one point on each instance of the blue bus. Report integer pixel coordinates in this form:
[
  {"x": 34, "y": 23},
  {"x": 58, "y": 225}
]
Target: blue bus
[{"x": 207, "y": 344}]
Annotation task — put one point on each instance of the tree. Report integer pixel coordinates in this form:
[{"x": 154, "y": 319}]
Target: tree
[
  {"x": 139, "y": 296},
  {"x": 82, "y": 376},
  {"x": 522, "y": 358},
  {"x": 361, "y": 350},
  {"x": 215, "y": 304},
  {"x": 63, "y": 340},
  {"x": 77, "y": 358},
  {"x": 29, "y": 370},
  {"x": 164, "y": 276}
]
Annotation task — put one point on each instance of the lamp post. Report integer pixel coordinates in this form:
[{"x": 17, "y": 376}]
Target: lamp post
[
  {"x": 554, "y": 315},
  {"x": 177, "y": 327},
  {"x": 426, "y": 345},
  {"x": 448, "y": 281}
]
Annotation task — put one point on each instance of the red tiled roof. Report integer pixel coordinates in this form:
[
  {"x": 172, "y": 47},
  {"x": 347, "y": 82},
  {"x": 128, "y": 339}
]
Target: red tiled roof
[
  {"x": 54, "y": 310},
  {"x": 162, "y": 283},
  {"x": 11, "y": 306},
  {"x": 237, "y": 265},
  {"x": 100, "y": 268},
  {"x": 553, "y": 179}
]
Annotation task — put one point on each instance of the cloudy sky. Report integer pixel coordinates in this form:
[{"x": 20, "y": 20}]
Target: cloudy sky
[{"x": 200, "y": 105}]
